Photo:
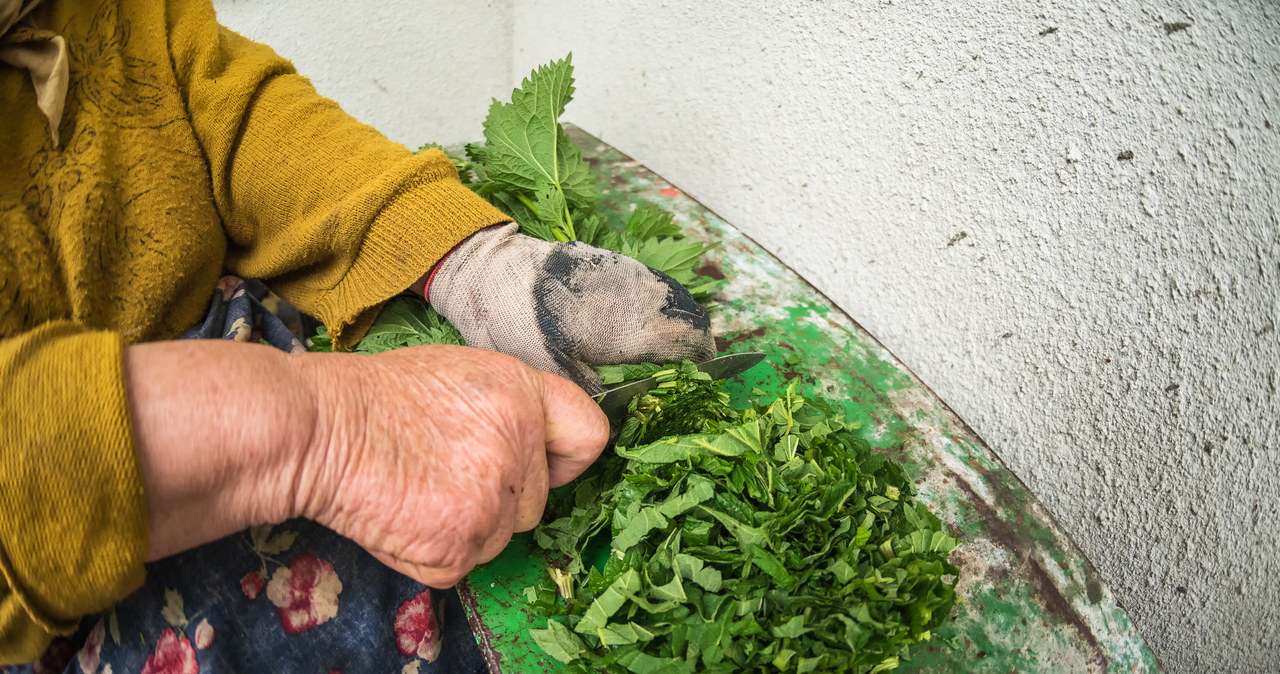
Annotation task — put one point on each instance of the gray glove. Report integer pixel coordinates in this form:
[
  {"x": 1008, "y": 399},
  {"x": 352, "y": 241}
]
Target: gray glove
[{"x": 563, "y": 307}]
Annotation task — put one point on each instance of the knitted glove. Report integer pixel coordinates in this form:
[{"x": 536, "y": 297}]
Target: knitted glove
[{"x": 563, "y": 307}]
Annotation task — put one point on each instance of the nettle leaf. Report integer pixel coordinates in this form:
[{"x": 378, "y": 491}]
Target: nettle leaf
[
  {"x": 698, "y": 489},
  {"x": 696, "y": 570},
  {"x": 746, "y": 535},
  {"x": 769, "y": 564},
  {"x": 651, "y": 222},
  {"x": 609, "y": 602},
  {"x": 673, "y": 591},
  {"x": 524, "y": 144},
  {"x": 674, "y": 257},
  {"x": 638, "y": 527},
  {"x": 618, "y": 374},
  {"x": 622, "y": 634},
  {"x": 732, "y": 442},
  {"x": 590, "y": 228},
  {"x": 558, "y": 642},
  {"x": 408, "y": 321},
  {"x": 548, "y": 207},
  {"x": 643, "y": 663},
  {"x": 791, "y": 629}
]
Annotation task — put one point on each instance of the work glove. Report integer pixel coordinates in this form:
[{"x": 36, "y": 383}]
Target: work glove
[{"x": 564, "y": 307}]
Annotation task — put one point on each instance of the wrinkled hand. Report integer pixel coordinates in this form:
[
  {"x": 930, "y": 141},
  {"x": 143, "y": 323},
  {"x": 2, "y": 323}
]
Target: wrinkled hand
[
  {"x": 563, "y": 307},
  {"x": 431, "y": 457}
]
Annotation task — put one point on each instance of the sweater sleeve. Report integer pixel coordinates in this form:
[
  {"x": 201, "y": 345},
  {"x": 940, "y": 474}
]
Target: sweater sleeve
[
  {"x": 73, "y": 514},
  {"x": 327, "y": 211}
]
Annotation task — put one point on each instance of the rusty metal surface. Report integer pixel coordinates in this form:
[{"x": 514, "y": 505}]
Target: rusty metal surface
[{"x": 1030, "y": 601}]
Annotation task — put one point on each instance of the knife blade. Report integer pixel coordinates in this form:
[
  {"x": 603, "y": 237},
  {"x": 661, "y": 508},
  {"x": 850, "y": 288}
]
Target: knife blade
[{"x": 614, "y": 402}]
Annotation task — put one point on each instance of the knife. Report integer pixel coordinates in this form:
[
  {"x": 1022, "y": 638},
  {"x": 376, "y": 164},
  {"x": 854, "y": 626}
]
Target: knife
[{"x": 614, "y": 402}]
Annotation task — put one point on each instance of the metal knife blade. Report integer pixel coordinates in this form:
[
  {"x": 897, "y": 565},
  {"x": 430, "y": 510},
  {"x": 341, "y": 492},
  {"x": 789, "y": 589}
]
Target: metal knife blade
[{"x": 614, "y": 402}]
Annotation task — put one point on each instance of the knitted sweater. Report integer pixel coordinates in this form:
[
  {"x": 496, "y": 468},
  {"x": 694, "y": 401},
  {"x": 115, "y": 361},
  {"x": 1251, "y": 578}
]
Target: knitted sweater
[{"x": 186, "y": 150}]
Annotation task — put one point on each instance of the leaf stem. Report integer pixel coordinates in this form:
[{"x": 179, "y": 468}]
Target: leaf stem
[
  {"x": 573, "y": 234},
  {"x": 527, "y": 202}
]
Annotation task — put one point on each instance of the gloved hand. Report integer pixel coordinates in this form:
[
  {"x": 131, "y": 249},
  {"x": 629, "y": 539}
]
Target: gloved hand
[{"x": 563, "y": 307}]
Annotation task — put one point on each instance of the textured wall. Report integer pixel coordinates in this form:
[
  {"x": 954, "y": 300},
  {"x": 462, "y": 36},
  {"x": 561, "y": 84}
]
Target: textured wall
[
  {"x": 950, "y": 174},
  {"x": 418, "y": 71}
]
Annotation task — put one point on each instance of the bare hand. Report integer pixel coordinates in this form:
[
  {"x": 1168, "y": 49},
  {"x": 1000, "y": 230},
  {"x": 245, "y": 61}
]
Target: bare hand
[{"x": 431, "y": 457}]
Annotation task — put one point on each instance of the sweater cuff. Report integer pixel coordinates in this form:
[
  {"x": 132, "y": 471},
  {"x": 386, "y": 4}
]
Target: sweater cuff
[
  {"x": 420, "y": 223},
  {"x": 73, "y": 514}
]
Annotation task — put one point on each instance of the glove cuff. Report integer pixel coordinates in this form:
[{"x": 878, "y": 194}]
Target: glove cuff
[{"x": 435, "y": 269}]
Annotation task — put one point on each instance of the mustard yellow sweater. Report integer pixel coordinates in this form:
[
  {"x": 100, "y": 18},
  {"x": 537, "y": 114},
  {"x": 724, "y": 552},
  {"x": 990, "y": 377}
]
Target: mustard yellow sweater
[{"x": 186, "y": 150}]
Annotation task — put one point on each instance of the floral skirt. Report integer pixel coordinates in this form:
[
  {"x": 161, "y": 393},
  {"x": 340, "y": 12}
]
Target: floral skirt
[{"x": 294, "y": 597}]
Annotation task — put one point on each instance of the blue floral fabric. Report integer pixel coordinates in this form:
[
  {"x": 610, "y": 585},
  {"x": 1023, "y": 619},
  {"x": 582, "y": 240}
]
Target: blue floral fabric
[{"x": 292, "y": 597}]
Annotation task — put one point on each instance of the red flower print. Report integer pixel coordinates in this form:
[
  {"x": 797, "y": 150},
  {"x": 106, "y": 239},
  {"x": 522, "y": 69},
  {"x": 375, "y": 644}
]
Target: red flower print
[
  {"x": 305, "y": 593},
  {"x": 174, "y": 655},
  {"x": 418, "y": 628},
  {"x": 204, "y": 635},
  {"x": 251, "y": 585},
  {"x": 90, "y": 655}
]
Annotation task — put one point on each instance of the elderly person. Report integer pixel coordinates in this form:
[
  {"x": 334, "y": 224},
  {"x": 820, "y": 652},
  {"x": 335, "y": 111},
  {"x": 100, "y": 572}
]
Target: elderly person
[{"x": 145, "y": 153}]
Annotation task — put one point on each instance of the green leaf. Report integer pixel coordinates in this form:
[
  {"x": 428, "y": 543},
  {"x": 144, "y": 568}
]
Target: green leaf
[
  {"x": 619, "y": 374},
  {"x": 809, "y": 664},
  {"x": 791, "y": 629},
  {"x": 638, "y": 527},
  {"x": 769, "y": 564},
  {"x": 673, "y": 591},
  {"x": 408, "y": 321},
  {"x": 590, "y": 228},
  {"x": 651, "y": 222},
  {"x": 548, "y": 206},
  {"x": 732, "y": 442},
  {"x": 558, "y": 642},
  {"x": 746, "y": 535},
  {"x": 525, "y": 147},
  {"x": 643, "y": 663},
  {"x": 619, "y": 634},
  {"x": 696, "y": 570},
  {"x": 785, "y": 449},
  {"x": 698, "y": 489},
  {"x": 674, "y": 257},
  {"x": 609, "y": 602}
]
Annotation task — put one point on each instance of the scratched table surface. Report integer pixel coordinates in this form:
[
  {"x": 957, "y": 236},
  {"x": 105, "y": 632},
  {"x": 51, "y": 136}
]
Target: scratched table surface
[{"x": 1029, "y": 599}]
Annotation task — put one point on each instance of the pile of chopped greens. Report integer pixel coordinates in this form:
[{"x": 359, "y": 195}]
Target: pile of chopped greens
[
  {"x": 767, "y": 539},
  {"x": 711, "y": 539}
]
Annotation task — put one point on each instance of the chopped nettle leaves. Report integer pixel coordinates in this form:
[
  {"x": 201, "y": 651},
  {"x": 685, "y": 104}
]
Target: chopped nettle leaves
[{"x": 722, "y": 540}]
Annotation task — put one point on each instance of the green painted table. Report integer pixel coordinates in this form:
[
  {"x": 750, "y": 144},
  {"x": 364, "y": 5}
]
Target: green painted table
[{"x": 1030, "y": 601}]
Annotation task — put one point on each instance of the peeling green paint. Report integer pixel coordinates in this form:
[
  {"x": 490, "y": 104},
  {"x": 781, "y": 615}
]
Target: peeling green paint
[{"x": 1030, "y": 600}]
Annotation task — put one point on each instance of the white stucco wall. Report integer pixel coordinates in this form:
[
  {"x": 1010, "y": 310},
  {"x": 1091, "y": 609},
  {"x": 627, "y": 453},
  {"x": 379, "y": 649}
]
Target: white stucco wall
[
  {"x": 948, "y": 173},
  {"x": 417, "y": 71}
]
